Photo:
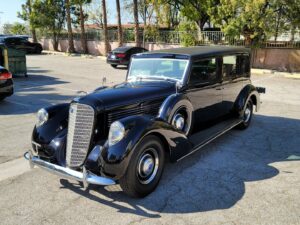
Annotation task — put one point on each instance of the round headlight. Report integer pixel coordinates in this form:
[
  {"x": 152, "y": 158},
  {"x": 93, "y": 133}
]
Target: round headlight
[
  {"x": 116, "y": 133},
  {"x": 42, "y": 116}
]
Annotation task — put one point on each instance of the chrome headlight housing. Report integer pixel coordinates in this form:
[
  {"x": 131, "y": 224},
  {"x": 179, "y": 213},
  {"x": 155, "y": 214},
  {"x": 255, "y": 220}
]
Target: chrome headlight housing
[
  {"x": 116, "y": 133},
  {"x": 42, "y": 116}
]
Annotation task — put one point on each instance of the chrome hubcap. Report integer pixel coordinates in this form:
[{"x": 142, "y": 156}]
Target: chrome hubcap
[
  {"x": 178, "y": 122},
  {"x": 247, "y": 114},
  {"x": 148, "y": 166}
]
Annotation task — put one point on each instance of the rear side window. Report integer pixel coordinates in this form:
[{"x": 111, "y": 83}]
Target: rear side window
[
  {"x": 203, "y": 72},
  {"x": 229, "y": 67},
  {"x": 243, "y": 62}
]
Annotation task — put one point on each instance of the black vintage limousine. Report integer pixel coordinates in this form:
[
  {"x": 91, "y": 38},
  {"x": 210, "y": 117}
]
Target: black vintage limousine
[{"x": 172, "y": 103}]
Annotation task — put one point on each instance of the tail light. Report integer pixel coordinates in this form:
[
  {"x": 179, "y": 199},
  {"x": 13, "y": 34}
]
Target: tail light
[
  {"x": 121, "y": 55},
  {"x": 5, "y": 76}
]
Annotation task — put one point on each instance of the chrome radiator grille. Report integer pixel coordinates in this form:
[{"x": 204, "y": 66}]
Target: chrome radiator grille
[{"x": 80, "y": 127}]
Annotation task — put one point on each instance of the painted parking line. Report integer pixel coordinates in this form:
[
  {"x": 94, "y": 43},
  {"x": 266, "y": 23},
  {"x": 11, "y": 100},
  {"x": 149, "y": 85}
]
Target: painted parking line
[
  {"x": 43, "y": 84},
  {"x": 18, "y": 103},
  {"x": 13, "y": 168}
]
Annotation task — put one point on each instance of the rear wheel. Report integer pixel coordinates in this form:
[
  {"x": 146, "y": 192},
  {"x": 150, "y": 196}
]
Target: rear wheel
[
  {"x": 1, "y": 98},
  {"x": 145, "y": 168},
  {"x": 247, "y": 116},
  {"x": 114, "y": 66}
]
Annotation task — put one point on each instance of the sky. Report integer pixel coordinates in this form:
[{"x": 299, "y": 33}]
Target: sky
[{"x": 9, "y": 9}]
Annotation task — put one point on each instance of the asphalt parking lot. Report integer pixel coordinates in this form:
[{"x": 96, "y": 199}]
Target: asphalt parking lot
[{"x": 243, "y": 177}]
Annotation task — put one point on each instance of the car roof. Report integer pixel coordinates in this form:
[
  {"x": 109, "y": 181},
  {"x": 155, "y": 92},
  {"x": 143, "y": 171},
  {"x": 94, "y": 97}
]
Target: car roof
[
  {"x": 124, "y": 48},
  {"x": 197, "y": 51}
]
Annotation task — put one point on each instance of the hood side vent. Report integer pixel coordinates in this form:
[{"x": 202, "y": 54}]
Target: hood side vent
[{"x": 149, "y": 109}]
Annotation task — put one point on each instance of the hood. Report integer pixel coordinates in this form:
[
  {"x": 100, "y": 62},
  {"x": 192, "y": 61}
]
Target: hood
[{"x": 128, "y": 93}]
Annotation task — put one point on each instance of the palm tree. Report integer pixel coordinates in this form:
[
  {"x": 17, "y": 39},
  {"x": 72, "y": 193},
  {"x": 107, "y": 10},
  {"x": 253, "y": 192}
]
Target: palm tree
[
  {"x": 106, "y": 43},
  {"x": 29, "y": 3},
  {"x": 120, "y": 33},
  {"x": 136, "y": 22},
  {"x": 83, "y": 35},
  {"x": 71, "y": 48}
]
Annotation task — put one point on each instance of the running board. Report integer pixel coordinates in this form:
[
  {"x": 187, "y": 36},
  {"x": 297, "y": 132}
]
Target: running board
[{"x": 204, "y": 137}]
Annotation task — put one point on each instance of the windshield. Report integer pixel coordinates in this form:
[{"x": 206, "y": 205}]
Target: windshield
[{"x": 161, "y": 68}]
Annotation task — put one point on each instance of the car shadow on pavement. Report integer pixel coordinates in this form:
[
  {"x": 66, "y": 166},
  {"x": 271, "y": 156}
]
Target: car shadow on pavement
[
  {"x": 31, "y": 93},
  {"x": 215, "y": 177}
]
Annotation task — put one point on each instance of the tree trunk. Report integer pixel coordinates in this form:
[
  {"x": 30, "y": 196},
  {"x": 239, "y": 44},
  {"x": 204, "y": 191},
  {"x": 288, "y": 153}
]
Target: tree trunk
[
  {"x": 55, "y": 41},
  {"x": 83, "y": 37},
  {"x": 136, "y": 22},
  {"x": 34, "y": 39},
  {"x": 33, "y": 33},
  {"x": 106, "y": 43},
  {"x": 120, "y": 32},
  {"x": 71, "y": 48}
]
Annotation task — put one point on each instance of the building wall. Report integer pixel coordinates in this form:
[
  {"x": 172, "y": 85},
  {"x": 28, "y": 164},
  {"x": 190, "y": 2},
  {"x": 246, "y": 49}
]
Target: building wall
[{"x": 268, "y": 58}]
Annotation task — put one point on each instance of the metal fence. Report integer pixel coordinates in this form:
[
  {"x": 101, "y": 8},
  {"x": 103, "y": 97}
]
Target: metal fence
[{"x": 285, "y": 40}]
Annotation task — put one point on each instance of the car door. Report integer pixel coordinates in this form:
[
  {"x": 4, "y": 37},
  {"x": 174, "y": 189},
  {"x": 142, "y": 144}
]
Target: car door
[
  {"x": 235, "y": 73},
  {"x": 205, "y": 89}
]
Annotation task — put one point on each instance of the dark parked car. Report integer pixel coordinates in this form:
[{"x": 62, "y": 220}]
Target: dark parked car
[
  {"x": 21, "y": 43},
  {"x": 172, "y": 103},
  {"x": 6, "y": 83},
  {"x": 122, "y": 55}
]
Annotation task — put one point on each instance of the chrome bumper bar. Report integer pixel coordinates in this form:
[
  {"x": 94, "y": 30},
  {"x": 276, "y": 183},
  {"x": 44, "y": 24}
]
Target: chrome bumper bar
[{"x": 86, "y": 177}]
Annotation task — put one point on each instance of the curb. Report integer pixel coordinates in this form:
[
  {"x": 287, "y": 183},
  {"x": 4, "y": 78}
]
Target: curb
[
  {"x": 285, "y": 74},
  {"x": 86, "y": 56}
]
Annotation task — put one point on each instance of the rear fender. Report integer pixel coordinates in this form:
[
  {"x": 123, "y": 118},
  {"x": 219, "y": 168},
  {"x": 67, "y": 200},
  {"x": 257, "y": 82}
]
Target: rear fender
[
  {"x": 248, "y": 92},
  {"x": 115, "y": 159}
]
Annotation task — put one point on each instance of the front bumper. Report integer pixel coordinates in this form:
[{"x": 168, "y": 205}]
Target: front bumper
[{"x": 86, "y": 177}]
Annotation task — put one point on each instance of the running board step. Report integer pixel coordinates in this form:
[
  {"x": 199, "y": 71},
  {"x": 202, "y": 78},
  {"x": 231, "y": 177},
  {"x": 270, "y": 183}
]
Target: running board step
[{"x": 204, "y": 137}]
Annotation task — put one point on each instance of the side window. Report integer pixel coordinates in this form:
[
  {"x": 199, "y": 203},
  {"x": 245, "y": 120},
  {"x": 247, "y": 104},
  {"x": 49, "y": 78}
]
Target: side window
[
  {"x": 243, "y": 65},
  {"x": 229, "y": 67},
  {"x": 203, "y": 72}
]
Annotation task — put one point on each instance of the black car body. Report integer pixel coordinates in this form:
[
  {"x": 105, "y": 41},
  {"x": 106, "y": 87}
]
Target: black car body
[
  {"x": 122, "y": 55},
  {"x": 6, "y": 83},
  {"x": 21, "y": 43},
  {"x": 173, "y": 103}
]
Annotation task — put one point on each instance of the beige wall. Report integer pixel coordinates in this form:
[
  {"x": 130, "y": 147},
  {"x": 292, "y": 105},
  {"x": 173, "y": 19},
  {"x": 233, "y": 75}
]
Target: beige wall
[
  {"x": 97, "y": 47},
  {"x": 274, "y": 59},
  {"x": 277, "y": 59}
]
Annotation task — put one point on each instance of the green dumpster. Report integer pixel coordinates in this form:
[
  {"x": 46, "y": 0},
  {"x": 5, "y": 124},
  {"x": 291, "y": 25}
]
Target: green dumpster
[{"x": 17, "y": 62}]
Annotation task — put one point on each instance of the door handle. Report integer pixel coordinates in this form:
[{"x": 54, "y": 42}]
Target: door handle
[{"x": 218, "y": 89}]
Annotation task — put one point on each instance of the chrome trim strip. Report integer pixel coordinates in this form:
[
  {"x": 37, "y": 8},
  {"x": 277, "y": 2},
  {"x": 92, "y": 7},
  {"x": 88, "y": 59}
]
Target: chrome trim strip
[
  {"x": 196, "y": 148},
  {"x": 86, "y": 177}
]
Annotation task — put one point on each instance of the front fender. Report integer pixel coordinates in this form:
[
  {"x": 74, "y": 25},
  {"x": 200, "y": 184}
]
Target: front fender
[
  {"x": 115, "y": 159},
  {"x": 58, "y": 115}
]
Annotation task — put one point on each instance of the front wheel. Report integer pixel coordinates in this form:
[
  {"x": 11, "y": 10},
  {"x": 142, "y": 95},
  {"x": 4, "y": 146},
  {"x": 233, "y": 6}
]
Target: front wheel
[
  {"x": 145, "y": 168},
  {"x": 114, "y": 66},
  {"x": 247, "y": 116}
]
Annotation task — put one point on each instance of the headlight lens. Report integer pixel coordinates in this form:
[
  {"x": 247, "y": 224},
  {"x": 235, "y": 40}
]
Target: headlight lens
[
  {"x": 116, "y": 133},
  {"x": 42, "y": 116}
]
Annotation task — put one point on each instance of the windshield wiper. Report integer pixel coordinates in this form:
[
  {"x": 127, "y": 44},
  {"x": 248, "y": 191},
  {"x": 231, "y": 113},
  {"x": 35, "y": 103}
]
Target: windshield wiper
[{"x": 158, "y": 77}]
